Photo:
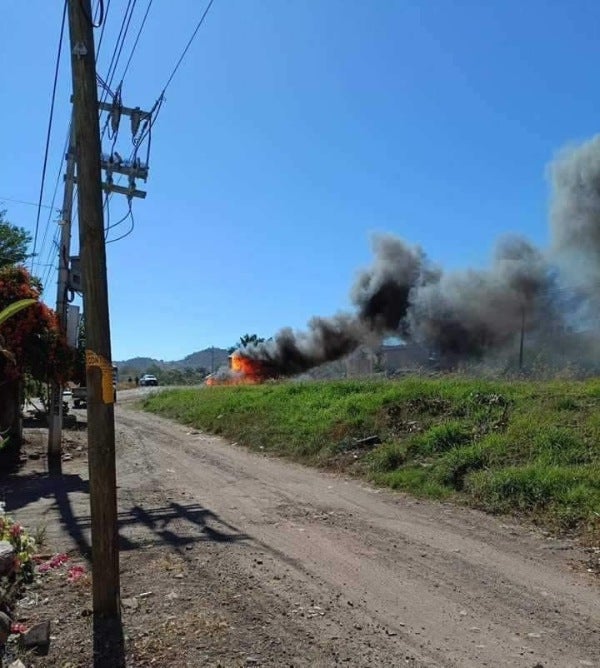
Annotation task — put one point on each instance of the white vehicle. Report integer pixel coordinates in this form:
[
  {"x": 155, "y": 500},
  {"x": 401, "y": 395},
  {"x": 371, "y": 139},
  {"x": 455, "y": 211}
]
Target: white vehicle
[{"x": 148, "y": 379}]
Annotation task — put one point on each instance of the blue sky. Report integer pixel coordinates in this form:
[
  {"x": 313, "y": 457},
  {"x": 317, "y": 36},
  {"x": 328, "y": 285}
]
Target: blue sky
[{"x": 293, "y": 131}]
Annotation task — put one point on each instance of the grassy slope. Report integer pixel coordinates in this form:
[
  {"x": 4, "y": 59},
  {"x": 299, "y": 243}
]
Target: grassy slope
[{"x": 531, "y": 448}]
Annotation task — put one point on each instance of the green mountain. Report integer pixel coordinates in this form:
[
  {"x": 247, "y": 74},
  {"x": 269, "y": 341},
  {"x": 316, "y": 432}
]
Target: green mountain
[{"x": 209, "y": 359}]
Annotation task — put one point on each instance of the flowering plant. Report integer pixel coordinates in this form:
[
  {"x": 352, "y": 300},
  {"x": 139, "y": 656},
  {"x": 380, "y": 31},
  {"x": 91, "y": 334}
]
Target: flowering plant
[
  {"x": 23, "y": 543},
  {"x": 31, "y": 335}
]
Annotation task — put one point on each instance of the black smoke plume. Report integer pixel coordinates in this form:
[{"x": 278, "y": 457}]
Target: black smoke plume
[
  {"x": 468, "y": 314},
  {"x": 382, "y": 292},
  {"x": 381, "y": 295}
]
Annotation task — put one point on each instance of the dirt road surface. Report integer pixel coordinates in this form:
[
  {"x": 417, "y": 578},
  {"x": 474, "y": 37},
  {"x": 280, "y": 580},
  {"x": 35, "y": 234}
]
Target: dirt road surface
[{"x": 307, "y": 568}]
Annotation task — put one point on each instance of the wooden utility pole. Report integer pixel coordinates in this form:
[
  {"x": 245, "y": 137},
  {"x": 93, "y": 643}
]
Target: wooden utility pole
[
  {"x": 64, "y": 251},
  {"x": 100, "y": 411}
]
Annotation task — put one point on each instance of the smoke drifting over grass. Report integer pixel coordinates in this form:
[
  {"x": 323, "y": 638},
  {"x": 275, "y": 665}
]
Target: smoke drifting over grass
[{"x": 466, "y": 314}]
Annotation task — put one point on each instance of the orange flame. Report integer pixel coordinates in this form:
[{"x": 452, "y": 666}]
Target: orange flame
[
  {"x": 245, "y": 371},
  {"x": 249, "y": 367}
]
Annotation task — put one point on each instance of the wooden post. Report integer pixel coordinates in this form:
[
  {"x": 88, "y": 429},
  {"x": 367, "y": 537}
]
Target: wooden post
[
  {"x": 64, "y": 251},
  {"x": 101, "y": 427}
]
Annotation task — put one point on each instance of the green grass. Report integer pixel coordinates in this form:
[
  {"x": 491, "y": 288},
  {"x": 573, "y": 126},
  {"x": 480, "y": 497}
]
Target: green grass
[{"x": 509, "y": 447}]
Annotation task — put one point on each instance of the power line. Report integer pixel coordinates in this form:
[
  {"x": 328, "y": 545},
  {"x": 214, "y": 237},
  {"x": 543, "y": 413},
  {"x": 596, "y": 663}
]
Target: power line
[
  {"x": 187, "y": 46},
  {"x": 146, "y": 127},
  {"x": 137, "y": 38},
  {"x": 104, "y": 85},
  {"x": 152, "y": 115},
  {"x": 119, "y": 43},
  {"x": 107, "y": 211},
  {"x": 90, "y": 20},
  {"x": 56, "y": 184},
  {"x": 103, "y": 28},
  {"x": 131, "y": 228},
  {"x": 114, "y": 61},
  {"x": 23, "y": 201},
  {"x": 112, "y": 67},
  {"x": 51, "y": 265},
  {"x": 49, "y": 132},
  {"x": 109, "y": 225},
  {"x": 120, "y": 49}
]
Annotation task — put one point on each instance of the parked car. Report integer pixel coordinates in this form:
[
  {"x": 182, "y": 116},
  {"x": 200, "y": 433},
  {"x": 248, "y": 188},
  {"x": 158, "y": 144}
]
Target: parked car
[{"x": 148, "y": 379}]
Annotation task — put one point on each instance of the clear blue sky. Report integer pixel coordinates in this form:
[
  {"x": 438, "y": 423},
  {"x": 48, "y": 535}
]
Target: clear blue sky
[{"x": 292, "y": 132}]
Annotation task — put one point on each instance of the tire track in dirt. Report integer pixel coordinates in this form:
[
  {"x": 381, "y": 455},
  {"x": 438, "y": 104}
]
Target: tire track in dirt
[{"x": 397, "y": 580}]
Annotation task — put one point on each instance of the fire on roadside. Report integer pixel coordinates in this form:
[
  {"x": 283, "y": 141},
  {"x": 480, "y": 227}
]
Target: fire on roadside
[{"x": 242, "y": 371}]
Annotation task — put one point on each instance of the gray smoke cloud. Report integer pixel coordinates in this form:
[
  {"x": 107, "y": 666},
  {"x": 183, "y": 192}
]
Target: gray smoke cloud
[
  {"x": 472, "y": 313},
  {"x": 469, "y": 313},
  {"x": 575, "y": 212},
  {"x": 575, "y": 232}
]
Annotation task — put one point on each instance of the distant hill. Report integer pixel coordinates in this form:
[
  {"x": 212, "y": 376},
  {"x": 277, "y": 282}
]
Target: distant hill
[
  {"x": 209, "y": 358},
  {"x": 139, "y": 363}
]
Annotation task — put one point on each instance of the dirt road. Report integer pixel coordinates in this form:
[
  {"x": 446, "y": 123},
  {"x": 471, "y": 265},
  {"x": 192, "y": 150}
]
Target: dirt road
[
  {"x": 314, "y": 569},
  {"x": 234, "y": 559}
]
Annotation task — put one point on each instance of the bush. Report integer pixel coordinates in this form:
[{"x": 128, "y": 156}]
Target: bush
[
  {"x": 555, "y": 445},
  {"x": 440, "y": 438},
  {"x": 572, "y": 492},
  {"x": 387, "y": 457}
]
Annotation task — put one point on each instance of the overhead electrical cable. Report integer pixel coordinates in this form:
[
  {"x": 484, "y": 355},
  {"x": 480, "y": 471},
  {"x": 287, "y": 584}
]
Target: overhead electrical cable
[
  {"x": 49, "y": 132},
  {"x": 89, "y": 19},
  {"x": 137, "y": 39},
  {"x": 99, "y": 45},
  {"x": 187, "y": 46},
  {"x": 56, "y": 184},
  {"x": 145, "y": 130}
]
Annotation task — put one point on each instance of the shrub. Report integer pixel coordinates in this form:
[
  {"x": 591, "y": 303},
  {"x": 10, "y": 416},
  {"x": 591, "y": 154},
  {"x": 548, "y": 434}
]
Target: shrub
[
  {"x": 387, "y": 457},
  {"x": 440, "y": 438},
  {"x": 537, "y": 487}
]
